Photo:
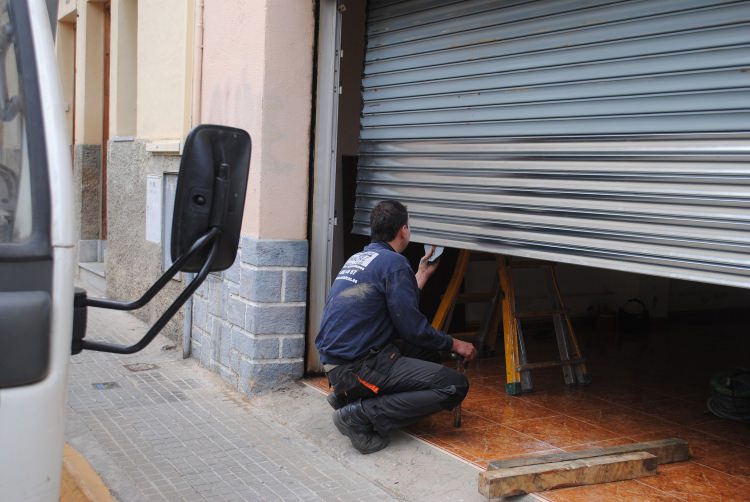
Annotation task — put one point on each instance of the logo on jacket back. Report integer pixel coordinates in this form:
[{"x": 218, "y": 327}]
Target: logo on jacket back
[{"x": 354, "y": 264}]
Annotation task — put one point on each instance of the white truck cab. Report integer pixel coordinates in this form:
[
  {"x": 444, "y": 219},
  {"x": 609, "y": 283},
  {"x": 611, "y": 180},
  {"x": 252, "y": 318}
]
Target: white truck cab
[{"x": 38, "y": 254}]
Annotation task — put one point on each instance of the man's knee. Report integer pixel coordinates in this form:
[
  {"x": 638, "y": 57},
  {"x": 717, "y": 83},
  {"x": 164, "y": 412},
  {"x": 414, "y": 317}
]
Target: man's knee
[{"x": 454, "y": 386}]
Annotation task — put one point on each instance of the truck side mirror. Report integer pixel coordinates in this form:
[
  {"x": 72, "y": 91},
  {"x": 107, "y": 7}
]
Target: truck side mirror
[
  {"x": 210, "y": 194},
  {"x": 209, "y": 204}
]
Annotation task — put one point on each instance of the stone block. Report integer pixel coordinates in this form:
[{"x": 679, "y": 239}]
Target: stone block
[
  {"x": 274, "y": 319},
  {"x": 259, "y": 376},
  {"x": 295, "y": 286},
  {"x": 202, "y": 291},
  {"x": 228, "y": 375},
  {"x": 195, "y": 348},
  {"x": 225, "y": 343},
  {"x": 236, "y": 311},
  {"x": 234, "y": 358},
  {"x": 224, "y": 296},
  {"x": 292, "y": 347},
  {"x": 209, "y": 325},
  {"x": 274, "y": 253},
  {"x": 215, "y": 300},
  {"x": 200, "y": 313},
  {"x": 232, "y": 274},
  {"x": 261, "y": 285},
  {"x": 240, "y": 340},
  {"x": 255, "y": 347},
  {"x": 217, "y": 330},
  {"x": 205, "y": 351}
]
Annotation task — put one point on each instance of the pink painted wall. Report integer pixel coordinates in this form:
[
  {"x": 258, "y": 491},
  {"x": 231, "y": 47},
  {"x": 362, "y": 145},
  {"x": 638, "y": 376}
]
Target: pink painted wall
[{"x": 257, "y": 75}]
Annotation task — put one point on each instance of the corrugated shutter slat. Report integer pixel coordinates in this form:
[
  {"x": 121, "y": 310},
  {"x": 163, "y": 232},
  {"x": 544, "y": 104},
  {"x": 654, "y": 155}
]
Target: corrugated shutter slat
[{"x": 611, "y": 134}]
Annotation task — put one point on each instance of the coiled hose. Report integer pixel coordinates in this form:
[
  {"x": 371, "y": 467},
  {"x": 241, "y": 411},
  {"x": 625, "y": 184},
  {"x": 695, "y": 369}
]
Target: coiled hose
[{"x": 730, "y": 398}]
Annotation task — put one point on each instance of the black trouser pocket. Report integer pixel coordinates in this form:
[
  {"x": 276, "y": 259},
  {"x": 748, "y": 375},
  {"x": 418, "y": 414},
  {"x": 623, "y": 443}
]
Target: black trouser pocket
[{"x": 363, "y": 378}]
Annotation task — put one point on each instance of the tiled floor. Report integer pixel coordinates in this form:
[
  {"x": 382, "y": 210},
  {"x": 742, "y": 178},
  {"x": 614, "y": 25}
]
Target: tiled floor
[{"x": 639, "y": 392}]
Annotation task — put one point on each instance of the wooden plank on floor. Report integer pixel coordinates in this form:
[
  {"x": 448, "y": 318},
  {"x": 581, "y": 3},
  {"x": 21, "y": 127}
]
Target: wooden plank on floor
[
  {"x": 586, "y": 471},
  {"x": 665, "y": 450}
]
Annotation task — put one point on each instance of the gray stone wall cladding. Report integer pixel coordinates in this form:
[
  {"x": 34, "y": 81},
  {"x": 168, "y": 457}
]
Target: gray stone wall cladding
[
  {"x": 87, "y": 175},
  {"x": 132, "y": 263},
  {"x": 249, "y": 321}
]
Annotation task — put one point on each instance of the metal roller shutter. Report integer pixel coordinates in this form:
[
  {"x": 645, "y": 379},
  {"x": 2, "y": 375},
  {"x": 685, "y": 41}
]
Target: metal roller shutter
[{"x": 609, "y": 134}]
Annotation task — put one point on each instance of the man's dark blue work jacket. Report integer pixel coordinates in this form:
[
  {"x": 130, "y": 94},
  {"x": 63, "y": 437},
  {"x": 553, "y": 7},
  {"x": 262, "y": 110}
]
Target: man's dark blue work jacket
[{"x": 374, "y": 299}]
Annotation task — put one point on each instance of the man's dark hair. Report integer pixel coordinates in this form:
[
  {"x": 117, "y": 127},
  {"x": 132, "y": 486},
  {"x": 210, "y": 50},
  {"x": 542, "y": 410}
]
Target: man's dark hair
[{"x": 386, "y": 219}]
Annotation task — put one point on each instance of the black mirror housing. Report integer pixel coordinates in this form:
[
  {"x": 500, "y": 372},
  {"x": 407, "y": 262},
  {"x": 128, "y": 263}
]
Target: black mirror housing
[
  {"x": 208, "y": 209},
  {"x": 211, "y": 190}
]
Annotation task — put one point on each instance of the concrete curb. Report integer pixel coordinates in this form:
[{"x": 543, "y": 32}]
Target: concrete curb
[{"x": 80, "y": 482}]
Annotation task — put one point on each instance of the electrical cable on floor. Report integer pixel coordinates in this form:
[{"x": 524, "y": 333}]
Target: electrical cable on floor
[{"x": 731, "y": 395}]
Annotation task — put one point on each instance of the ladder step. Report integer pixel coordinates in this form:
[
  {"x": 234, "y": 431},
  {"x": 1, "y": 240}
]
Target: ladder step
[{"x": 551, "y": 364}]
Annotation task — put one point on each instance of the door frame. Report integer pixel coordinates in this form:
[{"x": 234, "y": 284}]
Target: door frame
[{"x": 324, "y": 171}]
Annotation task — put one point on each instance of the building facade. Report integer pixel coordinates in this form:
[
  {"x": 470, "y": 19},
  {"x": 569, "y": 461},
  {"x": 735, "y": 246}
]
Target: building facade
[
  {"x": 137, "y": 75},
  {"x": 607, "y": 135}
]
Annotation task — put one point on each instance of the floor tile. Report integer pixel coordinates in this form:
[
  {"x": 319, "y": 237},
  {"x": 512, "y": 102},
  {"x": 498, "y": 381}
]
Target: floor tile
[
  {"x": 442, "y": 422},
  {"x": 619, "y": 491},
  {"x": 503, "y": 409},
  {"x": 691, "y": 481},
  {"x": 480, "y": 392},
  {"x": 562, "y": 431},
  {"x": 492, "y": 381},
  {"x": 632, "y": 395},
  {"x": 484, "y": 445},
  {"x": 320, "y": 382},
  {"x": 710, "y": 451},
  {"x": 623, "y": 420},
  {"x": 678, "y": 410},
  {"x": 733, "y": 432},
  {"x": 563, "y": 400},
  {"x": 723, "y": 456}
]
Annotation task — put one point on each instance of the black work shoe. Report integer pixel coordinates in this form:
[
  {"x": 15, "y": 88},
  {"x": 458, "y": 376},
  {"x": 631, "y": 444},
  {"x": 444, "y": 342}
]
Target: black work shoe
[
  {"x": 352, "y": 422},
  {"x": 335, "y": 401}
]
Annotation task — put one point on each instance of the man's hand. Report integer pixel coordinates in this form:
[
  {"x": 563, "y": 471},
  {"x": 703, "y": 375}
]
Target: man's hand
[
  {"x": 426, "y": 268},
  {"x": 464, "y": 349}
]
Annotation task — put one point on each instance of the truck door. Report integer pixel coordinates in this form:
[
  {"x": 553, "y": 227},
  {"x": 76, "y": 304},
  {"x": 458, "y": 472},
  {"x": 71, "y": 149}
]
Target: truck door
[{"x": 36, "y": 256}]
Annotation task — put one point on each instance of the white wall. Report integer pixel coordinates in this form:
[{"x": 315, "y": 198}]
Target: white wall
[{"x": 164, "y": 59}]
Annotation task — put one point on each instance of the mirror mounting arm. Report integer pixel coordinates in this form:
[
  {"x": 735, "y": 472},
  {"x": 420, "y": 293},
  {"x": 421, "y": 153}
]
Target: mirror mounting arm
[
  {"x": 212, "y": 236},
  {"x": 199, "y": 244}
]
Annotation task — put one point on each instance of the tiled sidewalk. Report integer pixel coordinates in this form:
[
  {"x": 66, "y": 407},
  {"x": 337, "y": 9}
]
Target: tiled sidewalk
[{"x": 157, "y": 427}]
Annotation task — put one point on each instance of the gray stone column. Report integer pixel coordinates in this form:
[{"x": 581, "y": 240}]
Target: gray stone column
[
  {"x": 249, "y": 321},
  {"x": 87, "y": 180}
]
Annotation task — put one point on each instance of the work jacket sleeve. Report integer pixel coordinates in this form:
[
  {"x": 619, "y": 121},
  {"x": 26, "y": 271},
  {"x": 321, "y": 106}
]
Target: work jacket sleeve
[{"x": 402, "y": 296}]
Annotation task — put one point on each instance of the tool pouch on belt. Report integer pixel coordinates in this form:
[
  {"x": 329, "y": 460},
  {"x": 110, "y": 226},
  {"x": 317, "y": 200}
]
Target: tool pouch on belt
[{"x": 363, "y": 378}]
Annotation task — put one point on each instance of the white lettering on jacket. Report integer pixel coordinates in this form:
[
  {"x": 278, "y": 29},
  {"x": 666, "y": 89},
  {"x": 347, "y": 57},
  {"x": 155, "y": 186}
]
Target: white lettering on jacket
[{"x": 354, "y": 264}]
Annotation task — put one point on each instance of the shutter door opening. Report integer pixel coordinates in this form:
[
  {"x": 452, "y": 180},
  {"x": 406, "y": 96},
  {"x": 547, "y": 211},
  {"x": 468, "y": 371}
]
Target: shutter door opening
[{"x": 606, "y": 134}]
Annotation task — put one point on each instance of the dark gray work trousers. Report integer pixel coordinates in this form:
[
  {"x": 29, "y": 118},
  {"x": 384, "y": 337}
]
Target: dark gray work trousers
[{"x": 411, "y": 389}]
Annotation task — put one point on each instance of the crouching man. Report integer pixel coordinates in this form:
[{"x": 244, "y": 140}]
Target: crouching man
[{"x": 372, "y": 307}]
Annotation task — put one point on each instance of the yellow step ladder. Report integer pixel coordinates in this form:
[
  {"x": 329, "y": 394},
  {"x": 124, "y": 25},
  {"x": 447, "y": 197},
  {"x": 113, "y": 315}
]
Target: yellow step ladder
[{"x": 501, "y": 303}]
